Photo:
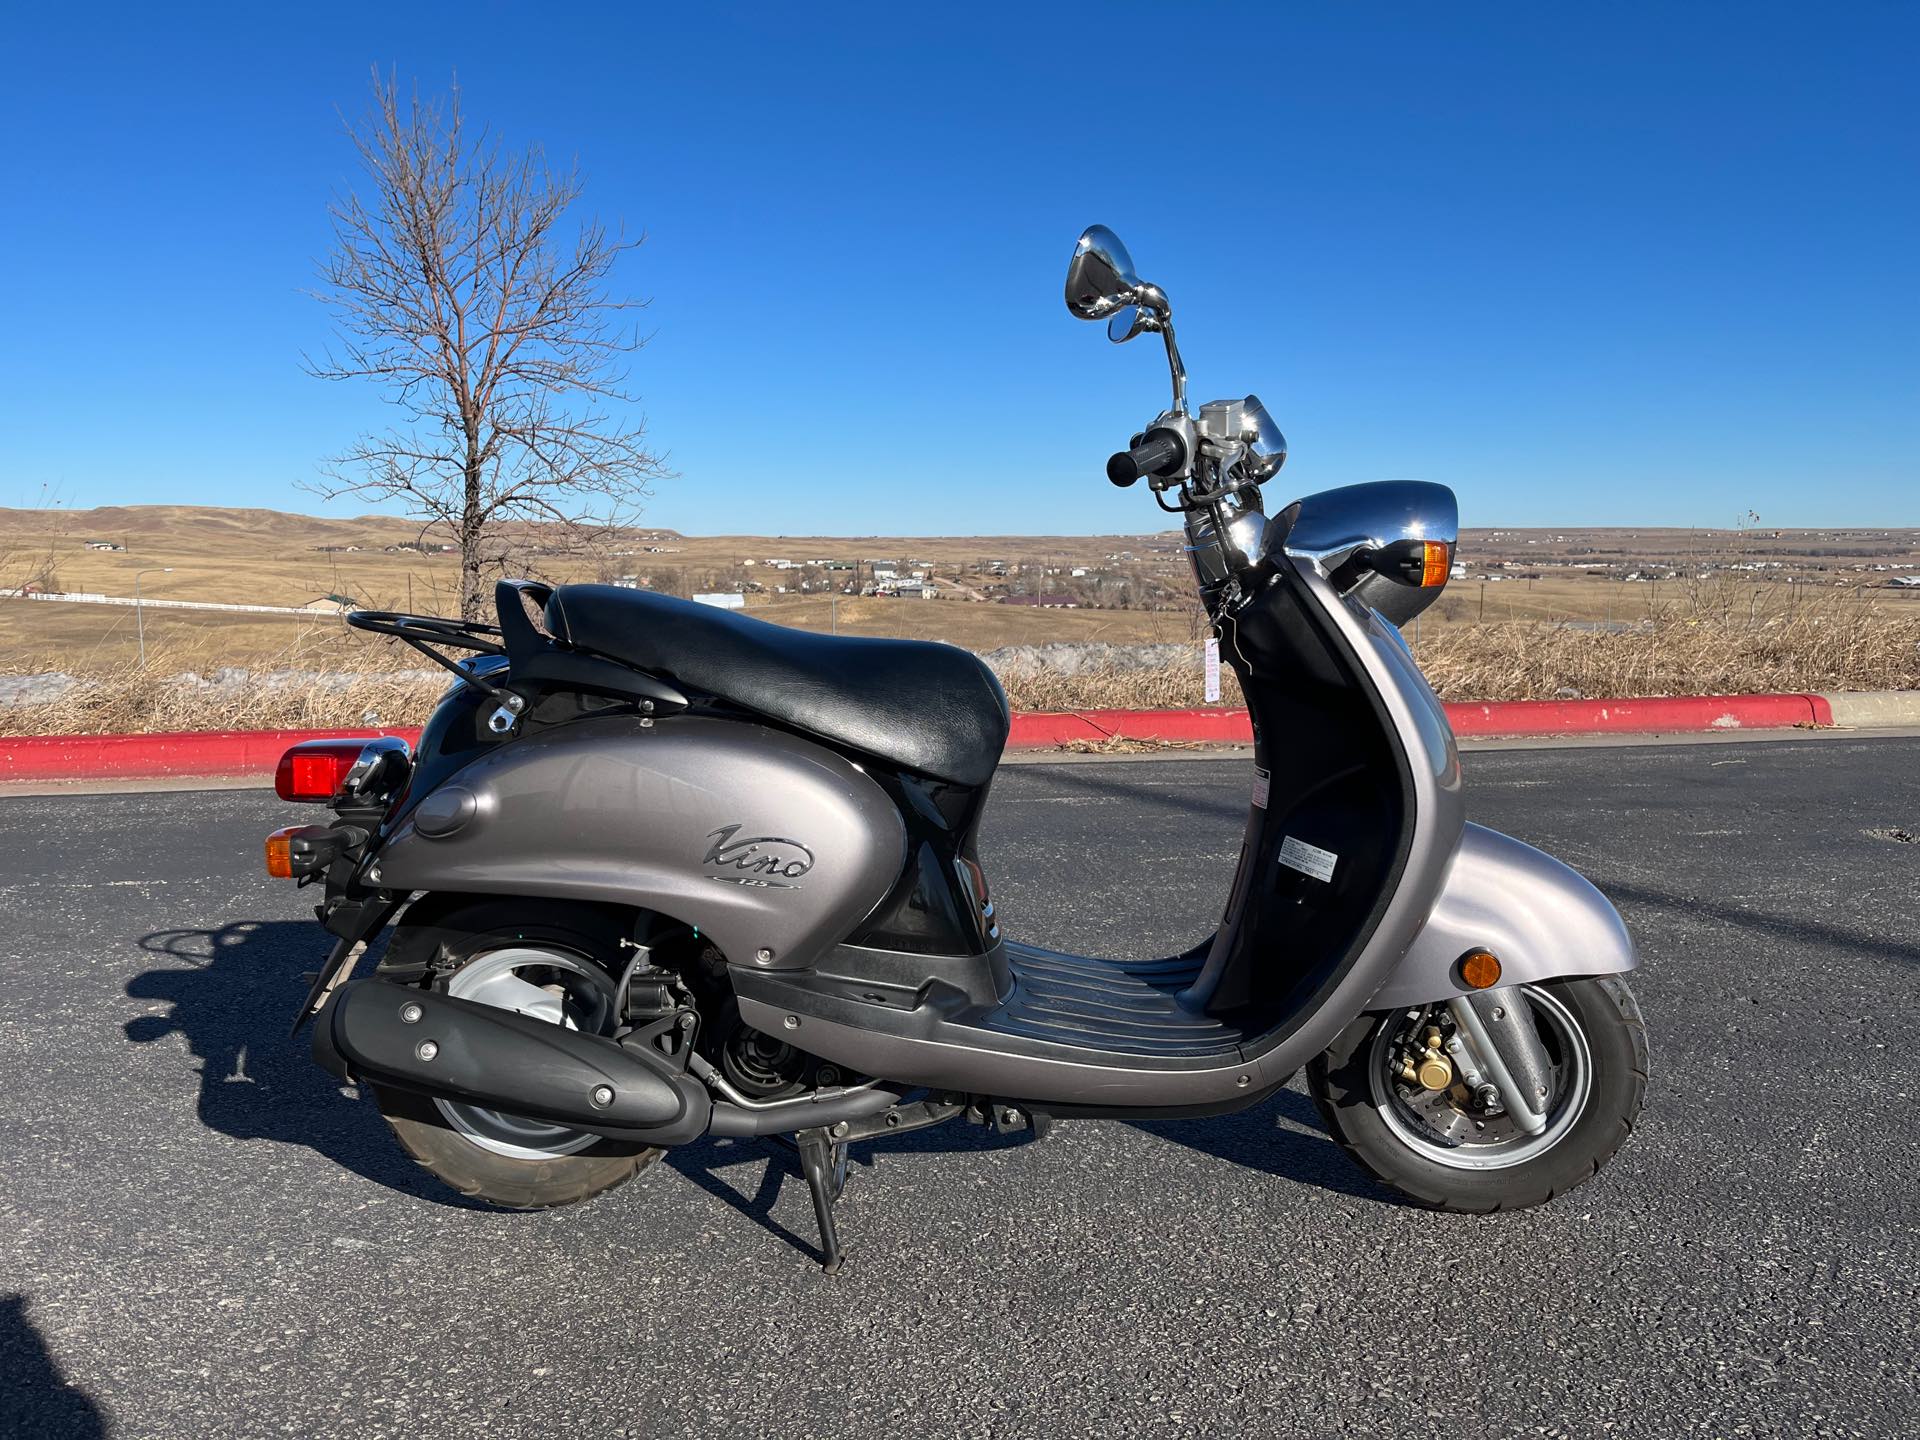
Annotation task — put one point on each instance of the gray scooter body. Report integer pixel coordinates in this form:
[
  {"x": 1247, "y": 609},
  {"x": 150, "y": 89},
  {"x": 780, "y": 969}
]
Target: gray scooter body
[{"x": 782, "y": 850}]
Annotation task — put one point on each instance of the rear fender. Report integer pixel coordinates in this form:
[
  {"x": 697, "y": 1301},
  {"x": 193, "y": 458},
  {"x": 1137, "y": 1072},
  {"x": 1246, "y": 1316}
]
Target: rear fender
[{"x": 1539, "y": 917}]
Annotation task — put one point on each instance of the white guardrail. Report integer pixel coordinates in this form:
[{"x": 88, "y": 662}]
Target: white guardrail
[{"x": 82, "y": 597}]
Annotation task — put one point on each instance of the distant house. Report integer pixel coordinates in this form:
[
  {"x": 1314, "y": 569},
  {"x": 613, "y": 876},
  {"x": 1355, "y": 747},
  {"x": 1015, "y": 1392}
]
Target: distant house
[
  {"x": 723, "y": 600},
  {"x": 332, "y": 604},
  {"x": 105, "y": 545}
]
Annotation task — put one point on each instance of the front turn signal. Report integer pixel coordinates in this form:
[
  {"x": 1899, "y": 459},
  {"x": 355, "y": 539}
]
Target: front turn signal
[
  {"x": 1422, "y": 564},
  {"x": 280, "y": 853}
]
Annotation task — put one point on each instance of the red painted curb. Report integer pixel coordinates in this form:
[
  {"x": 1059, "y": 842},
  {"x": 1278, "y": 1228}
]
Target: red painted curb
[
  {"x": 255, "y": 752},
  {"x": 1050, "y": 727},
  {"x": 158, "y": 757},
  {"x": 1661, "y": 713}
]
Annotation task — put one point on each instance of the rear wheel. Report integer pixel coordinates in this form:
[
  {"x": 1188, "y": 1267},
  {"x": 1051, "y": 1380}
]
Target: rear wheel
[
  {"x": 1447, "y": 1148},
  {"x": 554, "y": 962}
]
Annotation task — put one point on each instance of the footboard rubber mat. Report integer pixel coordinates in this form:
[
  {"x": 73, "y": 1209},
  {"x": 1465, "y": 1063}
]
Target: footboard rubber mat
[{"x": 1116, "y": 1005}]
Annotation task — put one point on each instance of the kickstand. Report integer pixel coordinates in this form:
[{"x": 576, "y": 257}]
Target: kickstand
[{"x": 824, "y": 1163}]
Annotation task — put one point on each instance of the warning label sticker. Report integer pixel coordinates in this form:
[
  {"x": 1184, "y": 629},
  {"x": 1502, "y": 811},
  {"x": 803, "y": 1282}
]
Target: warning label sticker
[
  {"x": 1261, "y": 780},
  {"x": 1308, "y": 859}
]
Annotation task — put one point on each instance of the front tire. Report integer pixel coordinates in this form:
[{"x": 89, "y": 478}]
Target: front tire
[
  {"x": 1598, "y": 1042},
  {"x": 484, "y": 950}
]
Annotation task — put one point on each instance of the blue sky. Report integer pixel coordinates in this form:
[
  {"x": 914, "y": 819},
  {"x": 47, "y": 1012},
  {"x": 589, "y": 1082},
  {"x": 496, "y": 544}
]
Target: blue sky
[{"x": 1621, "y": 264}]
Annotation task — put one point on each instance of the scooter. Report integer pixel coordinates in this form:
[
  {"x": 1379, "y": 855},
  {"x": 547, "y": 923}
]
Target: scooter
[{"x": 662, "y": 871}]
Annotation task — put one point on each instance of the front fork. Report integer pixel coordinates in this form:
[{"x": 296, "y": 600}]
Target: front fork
[{"x": 1496, "y": 1044}]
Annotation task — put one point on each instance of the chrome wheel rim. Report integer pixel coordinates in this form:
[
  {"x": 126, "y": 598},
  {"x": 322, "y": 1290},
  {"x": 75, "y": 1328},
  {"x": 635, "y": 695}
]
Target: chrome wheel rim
[
  {"x": 1439, "y": 1131},
  {"x": 550, "y": 985}
]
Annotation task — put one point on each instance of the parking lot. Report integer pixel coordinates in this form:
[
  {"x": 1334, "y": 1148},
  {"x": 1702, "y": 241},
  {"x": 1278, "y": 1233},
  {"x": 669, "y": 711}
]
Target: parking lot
[{"x": 202, "y": 1235}]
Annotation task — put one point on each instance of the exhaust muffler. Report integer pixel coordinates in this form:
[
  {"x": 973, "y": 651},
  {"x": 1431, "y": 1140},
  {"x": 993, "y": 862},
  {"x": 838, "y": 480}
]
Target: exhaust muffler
[{"x": 481, "y": 1055}]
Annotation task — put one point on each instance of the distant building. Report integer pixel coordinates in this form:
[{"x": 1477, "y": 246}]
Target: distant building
[
  {"x": 723, "y": 600},
  {"x": 105, "y": 545}
]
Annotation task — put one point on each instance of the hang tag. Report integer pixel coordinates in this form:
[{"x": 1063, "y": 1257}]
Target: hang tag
[
  {"x": 1262, "y": 782},
  {"x": 1213, "y": 669},
  {"x": 1308, "y": 859}
]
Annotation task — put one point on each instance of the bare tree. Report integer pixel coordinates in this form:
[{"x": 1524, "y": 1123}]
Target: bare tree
[
  {"x": 30, "y": 545},
  {"x": 499, "y": 339}
]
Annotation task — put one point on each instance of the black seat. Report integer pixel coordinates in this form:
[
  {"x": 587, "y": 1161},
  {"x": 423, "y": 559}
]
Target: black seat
[{"x": 925, "y": 706}]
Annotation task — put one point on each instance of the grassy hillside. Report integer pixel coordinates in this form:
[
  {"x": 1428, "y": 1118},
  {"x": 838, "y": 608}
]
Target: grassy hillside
[{"x": 1651, "y": 611}]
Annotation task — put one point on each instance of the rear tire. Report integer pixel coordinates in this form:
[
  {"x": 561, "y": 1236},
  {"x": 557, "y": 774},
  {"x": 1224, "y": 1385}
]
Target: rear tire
[
  {"x": 1350, "y": 1100},
  {"x": 433, "y": 944}
]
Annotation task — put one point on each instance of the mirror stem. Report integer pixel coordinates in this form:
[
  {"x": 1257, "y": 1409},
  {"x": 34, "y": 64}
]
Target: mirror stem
[{"x": 1174, "y": 364}]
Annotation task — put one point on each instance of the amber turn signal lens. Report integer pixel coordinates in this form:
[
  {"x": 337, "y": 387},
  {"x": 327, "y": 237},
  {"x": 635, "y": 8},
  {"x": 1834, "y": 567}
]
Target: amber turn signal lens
[
  {"x": 1436, "y": 565},
  {"x": 1479, "y": 970},
  {"x": 280, "y": 853}
]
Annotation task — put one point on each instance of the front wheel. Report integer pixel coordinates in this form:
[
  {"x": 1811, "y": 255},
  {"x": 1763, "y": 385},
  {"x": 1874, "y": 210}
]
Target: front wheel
[{"x": 1445, "y": 1147}]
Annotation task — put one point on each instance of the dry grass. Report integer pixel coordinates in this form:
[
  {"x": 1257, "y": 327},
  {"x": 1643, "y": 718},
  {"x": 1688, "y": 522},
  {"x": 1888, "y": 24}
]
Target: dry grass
[
  {"x": 1110, "y": 687},
  {"x": 1713, "y": 640},
  {"x": 321, "y": 679},
  {"x": 1703, "y": 643}
]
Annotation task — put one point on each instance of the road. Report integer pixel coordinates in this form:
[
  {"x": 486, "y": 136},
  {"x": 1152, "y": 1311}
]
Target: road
[{"x": 205, "y": 1237}]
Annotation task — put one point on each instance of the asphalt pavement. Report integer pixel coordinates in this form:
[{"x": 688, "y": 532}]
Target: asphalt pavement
[{"x": 202, "y": 1235}]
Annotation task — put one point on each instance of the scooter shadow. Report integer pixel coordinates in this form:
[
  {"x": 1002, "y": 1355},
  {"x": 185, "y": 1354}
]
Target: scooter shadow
[
  {"x": 1257, "y": 1139},
  {"x": 705, "y": 1163},
  {"x": 1254, "y": 1138},
  {"x": 233, "y": 991}
]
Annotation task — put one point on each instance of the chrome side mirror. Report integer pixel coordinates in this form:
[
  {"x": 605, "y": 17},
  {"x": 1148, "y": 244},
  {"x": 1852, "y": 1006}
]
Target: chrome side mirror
[
  {"x": 1100, "y": 277},
  {"x": 1102, "y": 285},
  {"x": 1129, "y": 321}
]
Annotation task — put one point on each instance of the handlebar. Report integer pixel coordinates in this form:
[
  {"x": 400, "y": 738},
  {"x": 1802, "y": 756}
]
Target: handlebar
[{"x": 1159, "y": 452}]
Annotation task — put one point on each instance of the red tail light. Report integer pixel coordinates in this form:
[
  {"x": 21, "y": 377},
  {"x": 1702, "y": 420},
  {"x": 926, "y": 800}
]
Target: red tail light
[{"x": 316, "y": 771}]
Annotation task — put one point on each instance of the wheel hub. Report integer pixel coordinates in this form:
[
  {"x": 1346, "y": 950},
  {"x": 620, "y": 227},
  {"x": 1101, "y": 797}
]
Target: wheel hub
[
  {"x": 1419, "y": 1093},
  {"x": 545, "y": 984}
]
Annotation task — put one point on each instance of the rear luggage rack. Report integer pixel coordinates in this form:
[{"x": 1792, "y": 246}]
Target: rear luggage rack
[
  {"x": 423, "y": 632},
  {"x": 537, "y": 663}
]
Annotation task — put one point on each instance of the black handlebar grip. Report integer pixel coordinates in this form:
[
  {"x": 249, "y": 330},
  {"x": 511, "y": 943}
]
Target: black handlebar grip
[{"x": 1160, "y": 452}]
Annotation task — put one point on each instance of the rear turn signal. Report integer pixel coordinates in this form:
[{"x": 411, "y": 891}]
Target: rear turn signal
[
  {"x": 1479, "y": 970},
  {"x": 1436, "y": 565},
  {"x": 280, "y": 853}
]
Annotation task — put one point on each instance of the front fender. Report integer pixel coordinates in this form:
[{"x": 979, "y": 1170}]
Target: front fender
[{"x": 1542, "y": 918}]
